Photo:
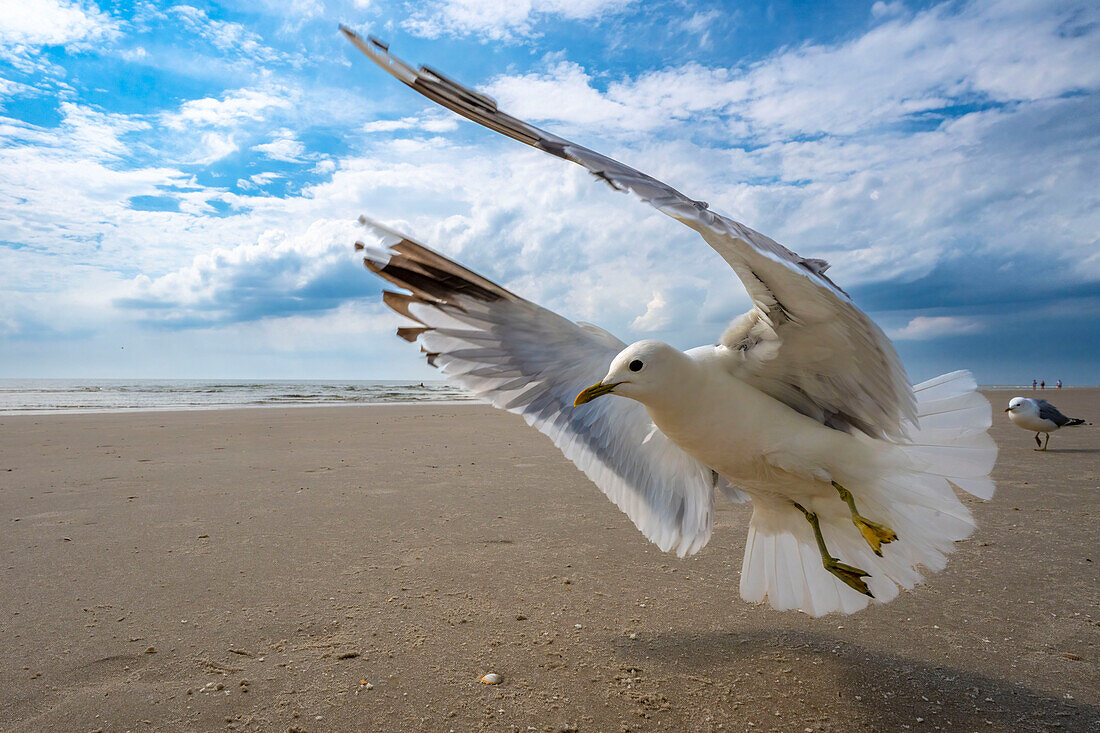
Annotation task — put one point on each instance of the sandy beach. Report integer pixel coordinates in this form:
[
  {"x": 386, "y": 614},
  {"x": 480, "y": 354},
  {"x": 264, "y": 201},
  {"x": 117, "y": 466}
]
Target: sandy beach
[{"x": 360, "y": 568}]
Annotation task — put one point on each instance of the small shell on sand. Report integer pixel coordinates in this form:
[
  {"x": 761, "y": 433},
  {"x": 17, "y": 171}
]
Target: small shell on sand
[{"x": 492, "y": 679}]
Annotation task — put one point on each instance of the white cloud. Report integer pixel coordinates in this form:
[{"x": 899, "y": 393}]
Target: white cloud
[
  {"x": 213, "y": 147},
  {"x": 703, "y": 22},
  {"x": 134, "y": 55},
  {"x": 923, "y": 328},
  {"x": 228, "y": 37},
  {"x": 97, "y": 135},
  {"x": 66, "y": 195},
  {"x": 427, "y": 123},
  {"x": 284, "y": 147},
  {"x": 251, "y": 281},
  {"x": 51, "y": 23},
  {"x": 501, "y": 19},
  {"x": 992, "y": 52},
  {"x": 565, "y": 93},
  {"x": 366, "y": 321},
  {"x": 656, "y": 315},
  {"x": 232, "y": 109},
  {"x": 257, "y": 181},
  {"x": 389, "y": 125},
  {"x": 10, "y": 88},
  {"x": 297, "y": 10},
  {"x": 439, "y": 124},
  {"x": 885, "y": 9}
]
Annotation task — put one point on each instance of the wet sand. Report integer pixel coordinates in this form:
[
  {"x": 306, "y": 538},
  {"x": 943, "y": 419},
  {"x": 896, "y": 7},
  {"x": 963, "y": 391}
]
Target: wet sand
[{"x": 360, "y": 568}]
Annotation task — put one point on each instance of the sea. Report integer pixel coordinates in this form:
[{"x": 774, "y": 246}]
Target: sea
[{"x": 37, "y": 396}]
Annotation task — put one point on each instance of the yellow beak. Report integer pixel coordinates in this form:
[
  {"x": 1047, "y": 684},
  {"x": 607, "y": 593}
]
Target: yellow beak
[
  {"x": 596, "y": 390},
  {"x": 1007, "y": 409}
]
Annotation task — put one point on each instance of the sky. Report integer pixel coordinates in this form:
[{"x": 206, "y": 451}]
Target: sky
[{"x": 179, "y": 183}]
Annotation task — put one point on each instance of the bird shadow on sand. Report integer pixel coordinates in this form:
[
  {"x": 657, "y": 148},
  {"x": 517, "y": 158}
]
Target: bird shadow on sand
[{"x": 894, "y": 690}]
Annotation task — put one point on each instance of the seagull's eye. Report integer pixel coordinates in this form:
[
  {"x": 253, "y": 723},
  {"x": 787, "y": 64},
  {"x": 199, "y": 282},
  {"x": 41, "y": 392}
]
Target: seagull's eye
[{"x": 636, "y": 365}]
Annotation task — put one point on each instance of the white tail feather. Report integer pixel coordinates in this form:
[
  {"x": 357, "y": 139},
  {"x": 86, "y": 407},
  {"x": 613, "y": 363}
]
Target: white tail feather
[{"x": 911, "y": 492}]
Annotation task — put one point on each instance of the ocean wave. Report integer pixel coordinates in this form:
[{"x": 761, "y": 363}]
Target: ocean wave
[{"x": 43, "y": 396}]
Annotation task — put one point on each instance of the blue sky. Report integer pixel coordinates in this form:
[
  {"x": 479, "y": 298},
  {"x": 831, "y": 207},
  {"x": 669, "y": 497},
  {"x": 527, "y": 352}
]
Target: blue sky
[{"x": 179, "y": 182}]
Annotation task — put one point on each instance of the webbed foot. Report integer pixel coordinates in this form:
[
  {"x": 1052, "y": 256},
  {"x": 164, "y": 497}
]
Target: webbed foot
[
  {"x": 849, "y": 575},
  {"x": 874, "y": 533}
]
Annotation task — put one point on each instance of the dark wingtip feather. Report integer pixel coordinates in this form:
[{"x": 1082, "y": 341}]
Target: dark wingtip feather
[
  {"x": 411, "y": 333},
  {"x": 400, "y": 302}
]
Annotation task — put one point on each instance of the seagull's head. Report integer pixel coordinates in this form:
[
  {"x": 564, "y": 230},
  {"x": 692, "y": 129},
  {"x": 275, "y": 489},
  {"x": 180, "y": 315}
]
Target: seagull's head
[
  {"x": 1017, "y": 405},
  {"x": 642, "y": 370}
]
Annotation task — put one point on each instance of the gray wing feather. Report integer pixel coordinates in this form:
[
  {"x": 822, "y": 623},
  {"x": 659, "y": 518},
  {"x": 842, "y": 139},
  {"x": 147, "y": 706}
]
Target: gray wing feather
[
  {"x": 1048, "y": 411},
  {"x": 530, "y": 361},
  {"x": 808, "y": 345}
]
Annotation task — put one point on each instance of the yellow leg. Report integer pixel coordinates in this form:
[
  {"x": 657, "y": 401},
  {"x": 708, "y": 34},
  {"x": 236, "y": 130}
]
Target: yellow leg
[
  {"x": 849, "y": 575},
  {"x": 1043, "y": 445},
  {"x": 874, "y": 533}
]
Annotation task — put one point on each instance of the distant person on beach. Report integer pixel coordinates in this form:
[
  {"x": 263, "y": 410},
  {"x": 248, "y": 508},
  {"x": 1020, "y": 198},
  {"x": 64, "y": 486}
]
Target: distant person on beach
[
  {"x": 1043, "y": 384},
  {"x": 1059, "y": 385},
  {"x": 1034, "y": 384}
]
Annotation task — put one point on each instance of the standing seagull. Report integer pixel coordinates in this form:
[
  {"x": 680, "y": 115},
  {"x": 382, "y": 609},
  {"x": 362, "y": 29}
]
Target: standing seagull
[
  {"x": 1039, "y": 416},
  {"x": 802, "y": 405}
]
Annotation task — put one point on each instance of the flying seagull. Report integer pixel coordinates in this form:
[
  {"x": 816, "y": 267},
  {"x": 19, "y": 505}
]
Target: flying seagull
[
  {"x": 1039, "y": 416},
  {"x": 801, "y": 405}
]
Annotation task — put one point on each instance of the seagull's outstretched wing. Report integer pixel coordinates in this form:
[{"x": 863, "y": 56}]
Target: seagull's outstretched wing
[
  {"x": 528, "y": 360},
  {"x": 804, "y": 342}
]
